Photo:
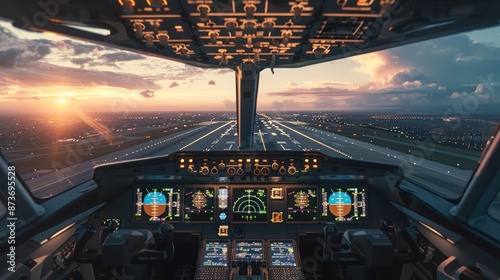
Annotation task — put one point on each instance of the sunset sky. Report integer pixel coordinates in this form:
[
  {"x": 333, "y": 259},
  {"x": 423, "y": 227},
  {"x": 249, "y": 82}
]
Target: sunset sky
[{"x": 46, "y": 73}]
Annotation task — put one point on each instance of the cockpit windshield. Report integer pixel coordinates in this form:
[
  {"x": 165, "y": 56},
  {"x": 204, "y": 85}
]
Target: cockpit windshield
[{"x": 67, "y": 106}]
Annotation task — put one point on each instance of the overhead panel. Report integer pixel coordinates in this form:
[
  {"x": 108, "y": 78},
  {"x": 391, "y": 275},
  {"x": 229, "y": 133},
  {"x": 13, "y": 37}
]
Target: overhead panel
[{"x": 254, "y": 33}]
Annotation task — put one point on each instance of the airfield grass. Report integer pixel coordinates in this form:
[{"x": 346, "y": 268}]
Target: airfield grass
[
  {"x": 408, "y": 146},
  {"x": 63, "y": 154}
]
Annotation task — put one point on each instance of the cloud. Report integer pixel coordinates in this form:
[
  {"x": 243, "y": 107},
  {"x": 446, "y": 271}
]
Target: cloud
[
  {"x": 174, "y": 84},
  {"x": 41, "y": 74},
  {"x": 82, "y": 61},
  {"x": 457, "y": 95},
  {"x": 479, "y": 88},
  {"x": 223, "y": 71},
  {"x": 120, "y": 56},
  {"x": 79, "y": 48},
  {"x": 286, "y": 105},
  {"x": 147, "y": 93},
  {"x": 8, "y": 57},
  {"x": 314, "y": 91},
  {"x": 211, "y": 83},
  {"x": 478, "y": 95},
  {"x": 405, "y": 76},
  {"x": 22, "y": 98},
  {"x": 229, "y": 104},
  {"x": 292, "y": 84},
  {"x": 185, "y": 72}
]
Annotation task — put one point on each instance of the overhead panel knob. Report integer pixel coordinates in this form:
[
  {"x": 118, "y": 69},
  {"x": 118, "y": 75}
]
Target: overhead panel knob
[
  {"x": 249, "y": 27},
  {"x": 139, "y": 30},
  {"x": 231, "y": 27},
  {"x": 297, "y": 13},
  {"x": 156, "y": 3},
  {"x": 286, "y": 36},
  {"x": 204, "y": 10},
  {"x": 250, "y": 10},
  {"x": 318, "y": 52},
  {"x": 163, "y": 37},
  {"x": 149, "y": 40},
  {"x": 268, "y": 27},
  {"x": 128, "y": 7},
  {"x": 213, "y": 36}
]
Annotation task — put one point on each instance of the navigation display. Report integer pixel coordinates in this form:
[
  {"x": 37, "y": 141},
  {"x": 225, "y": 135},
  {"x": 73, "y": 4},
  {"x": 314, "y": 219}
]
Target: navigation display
[
  {"x": 249, "y": 205},
  {"x": 215, "y": 254},
  {"x": 248, "y": 250},
  {"x": 282, "y": 254},
  {"x": 157, "y": 204},
  {"x": 302, "y": 204},
  {"x": 343, "y": 204},
  {"x": 199, "y": 204}
]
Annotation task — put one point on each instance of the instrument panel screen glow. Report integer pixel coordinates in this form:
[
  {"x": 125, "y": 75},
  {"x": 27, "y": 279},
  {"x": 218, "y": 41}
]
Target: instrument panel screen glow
[
  {"x": 302, "y": 204},
  {"x": 199, "y": 204},
  {"x": 157, "y": 204},
  {"x": 344, "y": 204},
  {"x": 249, "y": 205},
  {"x": 282, "y": 254},
  {"x": 215, "y": 254},
  {"x": 248, "y": 250}
]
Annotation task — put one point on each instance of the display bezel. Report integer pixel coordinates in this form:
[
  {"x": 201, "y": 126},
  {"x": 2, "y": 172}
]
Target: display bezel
[
  {"x": 344, "y": 186},
  {"x": 235, "y": 242},
  {"x": 150, "y": 186},
  {"x": 295, "y": 253},
  {"x": 233, "y": 189},
  {"x": 203, "y": 250},
  {"x": 184, "y": 190},
  {"x": 294, "y": 188}
]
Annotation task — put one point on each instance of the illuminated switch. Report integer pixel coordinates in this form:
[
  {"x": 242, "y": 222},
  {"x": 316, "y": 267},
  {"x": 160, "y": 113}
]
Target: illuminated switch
[
  {"x": 277, "y": 217},
  {"x": 277, "y": 193},
  {"x": 223, "y": 230},
  {"x": 222, "y": 197}
]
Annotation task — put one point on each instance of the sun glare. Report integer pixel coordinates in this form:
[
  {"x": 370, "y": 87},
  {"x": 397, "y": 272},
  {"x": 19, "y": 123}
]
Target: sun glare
[{"x": 61, "y": 101}]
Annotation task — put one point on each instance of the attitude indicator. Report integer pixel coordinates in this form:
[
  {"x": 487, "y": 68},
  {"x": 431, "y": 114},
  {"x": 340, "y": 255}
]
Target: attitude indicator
[
  {"x": 157, "y": 204},
  {"x": 344, "y": 204}
]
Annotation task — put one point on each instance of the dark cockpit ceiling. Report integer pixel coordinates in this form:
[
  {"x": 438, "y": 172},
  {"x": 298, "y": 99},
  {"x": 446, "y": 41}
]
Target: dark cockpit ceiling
[{"x": 255, "y": 34}]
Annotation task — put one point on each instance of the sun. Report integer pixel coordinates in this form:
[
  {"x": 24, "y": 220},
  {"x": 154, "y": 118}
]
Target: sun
[{"x": 61, "y": 101}]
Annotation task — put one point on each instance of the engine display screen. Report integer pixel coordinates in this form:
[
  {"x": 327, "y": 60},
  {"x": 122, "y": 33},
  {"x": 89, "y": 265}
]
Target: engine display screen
[
  {"x": 215, "y": 254},
  {"x": 302, "y": 204},
  {"x": 282, "y": 254},
  {"x": 199, "y": 204},
  {"x": 248, "y": 250},
  {"x": 249, "y": 205},
  {"x": 157, "y": 204},
  {"x": 344, "y": 204}
]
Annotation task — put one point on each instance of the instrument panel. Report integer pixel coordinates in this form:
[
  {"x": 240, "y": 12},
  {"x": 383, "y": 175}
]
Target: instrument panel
[
  {"x": 255, "y": 203},
  {"x": 247, "y": 206}
]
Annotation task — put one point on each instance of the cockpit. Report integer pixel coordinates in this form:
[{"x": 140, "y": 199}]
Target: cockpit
[
  {"x": 246, "y": 215},
  {"x": 122, "y": 159}
]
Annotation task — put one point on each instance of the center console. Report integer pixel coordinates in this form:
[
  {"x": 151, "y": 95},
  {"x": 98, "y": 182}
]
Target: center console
[{"x": 249, "y": 259}]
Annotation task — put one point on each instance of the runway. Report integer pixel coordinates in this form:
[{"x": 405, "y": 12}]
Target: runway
[{"x": 270, "y": 135}]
